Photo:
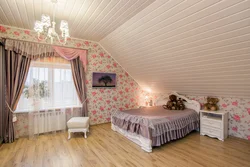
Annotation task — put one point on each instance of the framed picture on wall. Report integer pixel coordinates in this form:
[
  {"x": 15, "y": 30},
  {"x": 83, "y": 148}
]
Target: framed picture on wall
[{"x": 103, "y": 80}]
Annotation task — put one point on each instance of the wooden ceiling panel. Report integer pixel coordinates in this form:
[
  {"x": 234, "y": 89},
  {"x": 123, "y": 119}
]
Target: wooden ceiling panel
[
  {"x": 195, "y": 47},
  {"x": 88, "y": 19}
]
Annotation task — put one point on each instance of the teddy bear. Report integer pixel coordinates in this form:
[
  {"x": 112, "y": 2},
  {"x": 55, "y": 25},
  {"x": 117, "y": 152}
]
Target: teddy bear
[
  {"x": 169, "y": 105},
  {"x": 211, "y": 104},
  {"x": 172, "y": 98},
  {"x": 174, "y": 104},
  {"x": 180, "y": 104}
]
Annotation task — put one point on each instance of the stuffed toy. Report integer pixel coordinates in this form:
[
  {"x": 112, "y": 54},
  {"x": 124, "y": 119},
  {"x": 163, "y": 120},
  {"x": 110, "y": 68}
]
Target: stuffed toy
[
  {"x": 172, "y": 98},
  {"x": 170, "y": 105},
  {"x": 180, "y": 104},
  {"x": 211, "y": 104},
  {"x": 174, "y": 104}
]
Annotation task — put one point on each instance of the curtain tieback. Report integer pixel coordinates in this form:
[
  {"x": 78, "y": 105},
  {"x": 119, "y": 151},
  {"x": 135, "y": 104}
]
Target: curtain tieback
[
  {"x": 14, "y": 118},
  {"x": 84, "y": 101},
  {"x": 9, "y": 107}
]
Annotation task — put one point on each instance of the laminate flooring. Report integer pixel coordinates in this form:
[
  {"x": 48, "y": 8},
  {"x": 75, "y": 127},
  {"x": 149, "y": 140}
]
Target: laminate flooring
[{"x": 104, "y": 147}]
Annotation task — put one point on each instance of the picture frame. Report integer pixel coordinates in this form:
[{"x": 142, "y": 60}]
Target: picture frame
[{"x": 103, "y": 80}]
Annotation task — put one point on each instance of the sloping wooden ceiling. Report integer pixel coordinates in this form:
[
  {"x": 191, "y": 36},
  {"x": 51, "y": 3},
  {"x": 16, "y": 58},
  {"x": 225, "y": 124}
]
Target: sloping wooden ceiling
[
  {"x": 191, "y": 46},
  {"x": 88, "y": 19}
]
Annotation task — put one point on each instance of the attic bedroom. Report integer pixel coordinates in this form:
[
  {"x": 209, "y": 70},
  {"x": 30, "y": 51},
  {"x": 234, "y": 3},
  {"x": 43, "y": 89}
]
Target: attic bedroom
[{"x": 125, "y": 83}]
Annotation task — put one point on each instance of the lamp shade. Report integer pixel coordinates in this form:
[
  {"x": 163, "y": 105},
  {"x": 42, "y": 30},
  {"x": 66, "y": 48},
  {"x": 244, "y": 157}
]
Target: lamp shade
[
  {"x": 64, "y": 25},
  {"x": 67, "y": 33},
  {"x": 46, "y": 20},
  {"x": 38, "y": 26}
]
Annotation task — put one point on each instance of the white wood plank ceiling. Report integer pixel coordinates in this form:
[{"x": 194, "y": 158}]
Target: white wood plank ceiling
[
  {"x": 192, "y": 46},
  {"x": 88, "y": 19}
]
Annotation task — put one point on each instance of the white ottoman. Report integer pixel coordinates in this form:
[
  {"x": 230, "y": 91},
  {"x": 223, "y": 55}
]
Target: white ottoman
[{"x": 78, "y": 124}]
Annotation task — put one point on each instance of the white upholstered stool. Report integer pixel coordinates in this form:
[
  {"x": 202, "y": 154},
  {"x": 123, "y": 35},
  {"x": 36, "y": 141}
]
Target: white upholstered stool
[{"x": 78, "y": 124}]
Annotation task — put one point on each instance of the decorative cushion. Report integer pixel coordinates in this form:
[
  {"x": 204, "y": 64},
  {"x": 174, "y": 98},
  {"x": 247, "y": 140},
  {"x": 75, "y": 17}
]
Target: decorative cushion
[{"x": 78, "y": 122}]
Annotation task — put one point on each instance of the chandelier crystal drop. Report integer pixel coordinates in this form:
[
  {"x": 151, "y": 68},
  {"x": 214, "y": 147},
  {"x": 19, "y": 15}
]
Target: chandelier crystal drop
[{"x": 46, "y": 27}]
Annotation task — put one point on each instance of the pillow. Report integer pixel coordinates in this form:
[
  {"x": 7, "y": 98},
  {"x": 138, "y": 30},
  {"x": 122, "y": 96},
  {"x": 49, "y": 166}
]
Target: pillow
[{"x": 161, "y": 102}]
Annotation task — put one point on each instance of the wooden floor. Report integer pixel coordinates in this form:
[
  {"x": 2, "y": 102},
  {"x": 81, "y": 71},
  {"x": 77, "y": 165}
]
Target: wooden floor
[{"x": 104, "y": 147}]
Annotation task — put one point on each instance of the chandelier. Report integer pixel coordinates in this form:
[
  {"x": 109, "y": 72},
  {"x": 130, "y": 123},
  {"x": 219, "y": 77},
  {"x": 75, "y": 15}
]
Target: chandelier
[{"x": 46, "y": 27}]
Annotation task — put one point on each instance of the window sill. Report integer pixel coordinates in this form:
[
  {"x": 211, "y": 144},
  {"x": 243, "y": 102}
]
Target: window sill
[{"x": 27, "y": 111}]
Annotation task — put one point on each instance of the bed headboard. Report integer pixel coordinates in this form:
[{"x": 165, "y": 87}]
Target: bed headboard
[{"x": 192, "y": 104}]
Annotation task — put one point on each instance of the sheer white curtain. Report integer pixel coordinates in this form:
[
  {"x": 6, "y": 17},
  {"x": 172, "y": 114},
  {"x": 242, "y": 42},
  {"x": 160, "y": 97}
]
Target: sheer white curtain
[{"x": 49, "y": 91}]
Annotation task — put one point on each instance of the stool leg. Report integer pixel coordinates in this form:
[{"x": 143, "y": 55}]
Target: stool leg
[{"x": 69, "y": 135}]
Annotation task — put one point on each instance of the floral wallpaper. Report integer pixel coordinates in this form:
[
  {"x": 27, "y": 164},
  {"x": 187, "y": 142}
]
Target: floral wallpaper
[
  {"x": 101, "y": 102},
  {"x": 22, "y": 125}
]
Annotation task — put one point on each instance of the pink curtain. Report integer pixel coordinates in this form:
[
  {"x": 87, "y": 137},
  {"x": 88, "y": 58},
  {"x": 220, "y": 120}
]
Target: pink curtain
[
  {"x": 78, "y": 75},
  {"x": 70, "y": 54},
  {"x": 78, "y": 61}
]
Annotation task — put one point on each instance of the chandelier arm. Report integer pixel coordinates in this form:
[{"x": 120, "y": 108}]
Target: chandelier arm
[
  {"x": 63, "y": 43},
  {"x": 38, "y": 36},
  {"x": 65, "y": 40}
]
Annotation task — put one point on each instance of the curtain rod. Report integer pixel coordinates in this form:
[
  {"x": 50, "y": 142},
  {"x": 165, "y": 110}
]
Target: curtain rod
[{"x": 89, "y": 49}]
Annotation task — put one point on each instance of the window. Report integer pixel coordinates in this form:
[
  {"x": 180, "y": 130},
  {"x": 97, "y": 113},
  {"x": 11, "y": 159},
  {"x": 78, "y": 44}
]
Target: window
[{"x": 48, "y": 86}]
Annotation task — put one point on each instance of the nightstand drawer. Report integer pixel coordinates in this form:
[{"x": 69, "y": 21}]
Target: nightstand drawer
[
  {"x": 210, "y": 131},
  {"x": 211, "y": 123}
]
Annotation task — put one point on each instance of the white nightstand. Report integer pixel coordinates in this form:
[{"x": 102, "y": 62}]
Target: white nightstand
[{"x": 214, "y": 124}]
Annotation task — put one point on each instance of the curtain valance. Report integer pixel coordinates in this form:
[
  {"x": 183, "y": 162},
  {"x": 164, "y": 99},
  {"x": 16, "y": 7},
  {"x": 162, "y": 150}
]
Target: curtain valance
[
  {"x": 28, "y": 49},
  {"x": 37, "y": 50},
  {"x": 70, "y": 54}
]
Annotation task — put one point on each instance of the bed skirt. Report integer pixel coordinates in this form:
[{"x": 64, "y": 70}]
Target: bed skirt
[
  {"x": 174, "y": 134},
  {"x": 162, "y": 131}
]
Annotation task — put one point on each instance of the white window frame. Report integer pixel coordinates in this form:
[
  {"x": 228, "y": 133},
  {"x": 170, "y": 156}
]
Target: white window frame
[{"x": 51, "y": 73}]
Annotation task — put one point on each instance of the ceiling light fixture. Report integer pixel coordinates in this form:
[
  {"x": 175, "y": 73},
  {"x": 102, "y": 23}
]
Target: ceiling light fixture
[{"x": 44, "y": 27}]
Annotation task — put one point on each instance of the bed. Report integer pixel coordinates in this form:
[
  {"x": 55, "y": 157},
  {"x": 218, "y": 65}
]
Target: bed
[{"x": 155, "y": 126}]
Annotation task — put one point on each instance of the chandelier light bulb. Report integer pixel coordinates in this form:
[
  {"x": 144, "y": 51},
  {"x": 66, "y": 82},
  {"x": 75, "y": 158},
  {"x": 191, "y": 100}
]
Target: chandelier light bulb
[
  {"x": 38, "y": 26},
  {"x": 46, "y": 20},
  {"x": 64, "y": 25},
  {"x": 46, "y": 27}
]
